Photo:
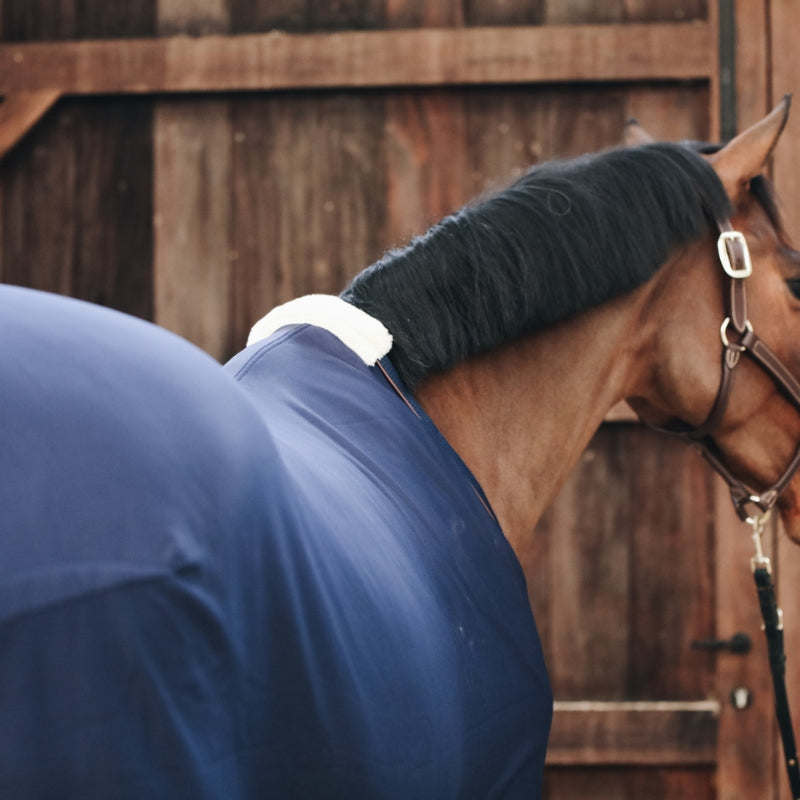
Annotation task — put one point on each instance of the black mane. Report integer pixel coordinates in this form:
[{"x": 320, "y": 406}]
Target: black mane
[{"x": 566, "y": 236}]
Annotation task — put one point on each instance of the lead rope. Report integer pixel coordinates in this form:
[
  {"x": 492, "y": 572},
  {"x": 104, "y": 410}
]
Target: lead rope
[{"x": 773, "y": 629}]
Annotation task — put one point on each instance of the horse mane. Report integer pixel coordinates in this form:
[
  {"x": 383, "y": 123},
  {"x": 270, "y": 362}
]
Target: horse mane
[{"x": 566, "y": 236}]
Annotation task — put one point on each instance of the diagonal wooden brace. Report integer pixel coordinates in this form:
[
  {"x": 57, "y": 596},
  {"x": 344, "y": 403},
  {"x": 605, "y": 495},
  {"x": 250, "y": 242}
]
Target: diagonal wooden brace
[{"x": 20, "y": 111}]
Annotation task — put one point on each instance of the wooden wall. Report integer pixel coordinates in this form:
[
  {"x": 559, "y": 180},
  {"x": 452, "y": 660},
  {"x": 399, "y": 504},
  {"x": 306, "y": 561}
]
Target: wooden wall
[{"x": 202, "y": 209}]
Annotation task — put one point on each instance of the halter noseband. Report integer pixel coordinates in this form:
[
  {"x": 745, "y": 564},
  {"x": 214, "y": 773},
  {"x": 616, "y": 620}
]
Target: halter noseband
[{"x": 735, "y": 258}]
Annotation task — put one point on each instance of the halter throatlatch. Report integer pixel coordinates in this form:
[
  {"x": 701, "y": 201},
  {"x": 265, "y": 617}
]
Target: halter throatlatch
[{"x": 738, "y": 338}]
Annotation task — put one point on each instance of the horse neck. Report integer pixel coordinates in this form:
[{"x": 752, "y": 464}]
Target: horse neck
[{"x": 520, "y": 416}]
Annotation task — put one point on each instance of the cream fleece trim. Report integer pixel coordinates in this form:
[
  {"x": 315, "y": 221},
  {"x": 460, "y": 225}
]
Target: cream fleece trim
[{"x": 364, "y": 335}]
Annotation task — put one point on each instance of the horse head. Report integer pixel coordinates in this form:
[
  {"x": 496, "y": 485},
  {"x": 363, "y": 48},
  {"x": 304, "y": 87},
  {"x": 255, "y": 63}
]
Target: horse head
[
  {"x": 725, "y": 354},
  {"x": 656, "y": 273}
]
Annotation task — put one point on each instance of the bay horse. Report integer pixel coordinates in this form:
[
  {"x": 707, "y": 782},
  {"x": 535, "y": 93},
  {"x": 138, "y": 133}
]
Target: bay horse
[{"x": 295, "y": 576}]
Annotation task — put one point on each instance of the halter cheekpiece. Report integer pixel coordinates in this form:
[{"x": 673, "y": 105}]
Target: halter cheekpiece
[{"x": 738, "y": 338}]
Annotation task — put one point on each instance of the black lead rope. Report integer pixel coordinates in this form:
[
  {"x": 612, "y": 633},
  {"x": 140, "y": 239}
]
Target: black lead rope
[{"x": 773, "y": 628}]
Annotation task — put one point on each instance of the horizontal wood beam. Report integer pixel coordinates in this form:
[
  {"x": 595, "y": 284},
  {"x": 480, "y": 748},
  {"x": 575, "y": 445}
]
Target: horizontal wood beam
[
  {"x": 356, "y": 59},
  {"x": 634, "y": 734}
]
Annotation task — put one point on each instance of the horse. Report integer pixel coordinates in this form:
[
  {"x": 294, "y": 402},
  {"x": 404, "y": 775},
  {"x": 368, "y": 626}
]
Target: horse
[{"x": 295, "y": 575}]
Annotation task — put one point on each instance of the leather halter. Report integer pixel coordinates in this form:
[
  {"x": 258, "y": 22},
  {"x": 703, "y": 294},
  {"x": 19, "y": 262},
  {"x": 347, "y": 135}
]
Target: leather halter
[{"x": 738, "y": 337}]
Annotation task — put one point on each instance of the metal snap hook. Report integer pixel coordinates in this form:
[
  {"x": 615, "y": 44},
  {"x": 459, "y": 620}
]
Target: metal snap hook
[{"x": 758, "y": 523}]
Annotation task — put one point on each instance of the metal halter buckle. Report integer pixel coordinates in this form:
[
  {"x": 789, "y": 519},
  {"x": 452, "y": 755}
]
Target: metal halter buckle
[{"x": 725, "y": 257}]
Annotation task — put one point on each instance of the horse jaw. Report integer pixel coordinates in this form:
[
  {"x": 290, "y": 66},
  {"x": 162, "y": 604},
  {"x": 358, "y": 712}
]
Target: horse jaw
[{"x": 789, "y": 510}]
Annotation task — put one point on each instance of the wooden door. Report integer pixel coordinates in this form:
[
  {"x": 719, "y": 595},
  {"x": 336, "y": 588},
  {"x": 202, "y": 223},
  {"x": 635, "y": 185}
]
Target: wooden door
[{"x": 640, "y": 556}]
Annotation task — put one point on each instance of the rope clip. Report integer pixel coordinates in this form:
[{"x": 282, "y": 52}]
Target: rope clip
[{"x": 759, "y": 561}]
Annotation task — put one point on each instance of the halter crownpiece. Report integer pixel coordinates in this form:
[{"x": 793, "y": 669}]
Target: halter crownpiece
[{"x": 734, "y": 256}]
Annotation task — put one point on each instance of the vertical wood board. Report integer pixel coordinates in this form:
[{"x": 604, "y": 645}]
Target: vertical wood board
[
  {"x": 193, "y": 223},
  {"x": 309, "y": 196},
  {"x": 192, "y": 206}
]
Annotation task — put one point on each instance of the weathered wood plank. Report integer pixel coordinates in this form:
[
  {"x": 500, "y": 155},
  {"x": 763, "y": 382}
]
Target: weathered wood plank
[
  {"x": 192, "y": 226},
  {"x": 634, "y": 733},
  {"x": 595, "y": 11},
  {"x": 361, "y": 59},
  {"x": 193, "y": 17},
  {"x": 785, "y": 69},
  {"x": 423, "y": 13},
  {"x": 56, "y": 20},
  {"x": 620, "y": 572},
  {"x": 506, "y": 12},
  {"x": 752, "y": 62},
  {"x": 427, "y": 163},
  {"x": 38, "y": 188},
  {"x": 632, "y": 783},
  {"x": 192, "y": 223},
  {"x": 673, "y": 113},
  {"x": 747, "y": 738},
  {"x": 111, "y": 207},
  {"x": 308, "y": 198},
  {"x": 578, "y": 568},
  {"x": 670, "y": 492}
]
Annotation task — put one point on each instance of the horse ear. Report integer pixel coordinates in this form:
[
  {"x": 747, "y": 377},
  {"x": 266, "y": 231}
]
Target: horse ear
[
  {"x": 744, "y": 156},
  {"x": 635, "y": 134}
]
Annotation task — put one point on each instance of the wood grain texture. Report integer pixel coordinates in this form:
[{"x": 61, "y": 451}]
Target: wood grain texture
[
  {"x": 505, "y": 12},
  {"x": 752, "y": 61},
  {"x": 511, "y": 130},
  {"x": 653, "y": 783},
  {"x": 112, "y": 205},
  {"x": 193, "y": 223},
  {"x": 361, "y": 59},
  {"x": 673, "y": 583},
  {"x": 587, "y": 636},
  {"x": 423, "y": 13},
  {"x": 192, "y": 209},
  {"x": 193, "y": 17},
  {"x": 785, "y": 74},
  {"x": 673, "y": 113},
  {"x": 747, "y": 739},
  {"x": 62, "y": 20},
  {"x": 308, "y": 196},
  {"x": 627, "y": 571},
  {"x": 665, "y": 10},
  {"x": 37, "y": 186},
  {"x": 633, "y": 733},
  {"x": 425, "y": 140},
  {"x": 558, "y": 12}
]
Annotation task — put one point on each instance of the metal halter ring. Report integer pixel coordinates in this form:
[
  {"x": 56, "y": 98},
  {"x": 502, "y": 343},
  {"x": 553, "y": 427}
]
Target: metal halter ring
[
  {"x": 759, "y": 519},
  {"x": 723, "y": 334}
]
